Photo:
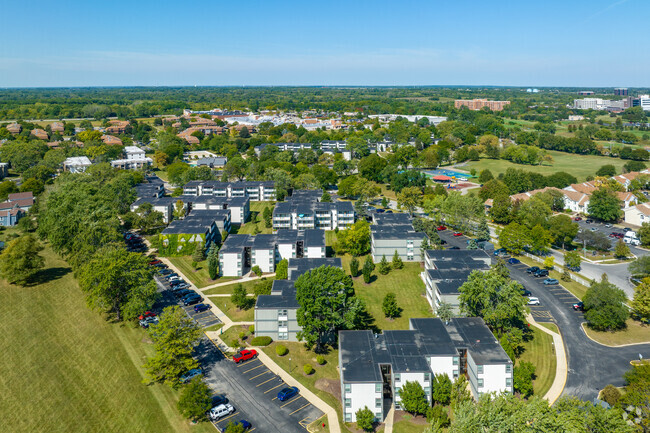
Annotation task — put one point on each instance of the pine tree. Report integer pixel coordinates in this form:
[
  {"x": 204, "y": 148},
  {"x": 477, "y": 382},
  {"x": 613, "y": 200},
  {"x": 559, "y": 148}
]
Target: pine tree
[
  {"x": 199, "y": 253},
  {"x": 397, "y": 261},
  {"x": 354, "y": 267},
  {"x": 389, "y": 306},
  {"x": 483, "y": 230},
  {"x": 384, "y": 267},
  {"x": 424, "y": 246},
  {"x": 213, "y": 262}
]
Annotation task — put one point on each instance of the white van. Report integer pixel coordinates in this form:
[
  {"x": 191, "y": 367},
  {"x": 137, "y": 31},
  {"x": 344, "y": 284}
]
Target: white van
[
  {"x": 630, "y": 238},
  {"x": 221, "y": 411}
]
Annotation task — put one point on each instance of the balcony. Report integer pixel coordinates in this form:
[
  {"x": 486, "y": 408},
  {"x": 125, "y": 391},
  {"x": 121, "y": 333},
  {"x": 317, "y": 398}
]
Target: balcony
[{"x": 283, "y": 318}]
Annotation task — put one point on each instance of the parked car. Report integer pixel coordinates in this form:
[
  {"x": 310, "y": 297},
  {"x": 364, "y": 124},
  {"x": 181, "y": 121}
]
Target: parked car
[
  {"x": 245, "y": 424},
  {"x": 533, "y": 301},
  {"x": 589, "y": 221},
  {"x": 201, "y": 307},
  {"x": 500, "y": 251},
  {"x": 453, "y": 248},
  {"x": 183, "y": 293},
  {"x": 532, "y": 269},
  {"x": 147, "y": 321},
  {"x": 577, "y": 219},
  {"x": 287, "y": 393},
  {"x": 458, "y": 234},
  {"x": 541, "y": 273},
  {"x": 165, "y": 271},
  {"x": 513, "y": 261},
  {"x": 441, "y": 228},
  {"x": 192, "y": 299},
  {"x": 594, "y": 229},
  {"x": 380, "y": 211},
  {"x": 574, "y": 268},
  {"x": 191, "y": 375},
  {"x": 244, "y": 355},
  {"x": 551, "y": 282},
  {"x": 578, "y": 306},
  {"x": 389, "y": 211},
  {"x": 146, "y": 314},
  {"x": 180, "y": 286},
  {"x": 608, "y": 225},
  {"x": 526, "y": 293},
  {"x": 626, "y": 229},
  {"x": 154, "y": 262},
  {"x": 218, "y": 400},
  {"x": 176, "y": 282},
  {"x": 220, "y": 411}
]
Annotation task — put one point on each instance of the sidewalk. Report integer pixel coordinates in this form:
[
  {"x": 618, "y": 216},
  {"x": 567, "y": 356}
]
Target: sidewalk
[
  {"x": 561, "y": 367},
  {"x": 240, "y": 280}
]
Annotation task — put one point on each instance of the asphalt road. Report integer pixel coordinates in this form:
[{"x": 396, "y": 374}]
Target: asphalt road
[{"x": 591, "y": 365}]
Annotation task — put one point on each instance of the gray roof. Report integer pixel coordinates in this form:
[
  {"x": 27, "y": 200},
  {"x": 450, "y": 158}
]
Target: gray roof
[
  {"x": 392, "y": 218},
  {"x": 472, "y": 333},
  {"x": 234, "y": 243},
  {"x": 156, "y": 201},
  {"x": 299, "y": 266},
  {"x": 283, "y": 296},
  {"x": 401, "y": 232},
  {"x": 455, "y": 254},
  {"x": 359, "y": 357}
]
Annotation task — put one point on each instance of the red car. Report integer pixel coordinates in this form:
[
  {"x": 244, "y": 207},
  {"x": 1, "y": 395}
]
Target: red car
[
  {"x": 577, "y": 219},
  {"x": 154, "y": 262},
  {"x": 458, "y": 234},
  {"x": 244, "y": 355},
  {"x": 146, "y": 314},
  {"x": 441, "y": 228}
]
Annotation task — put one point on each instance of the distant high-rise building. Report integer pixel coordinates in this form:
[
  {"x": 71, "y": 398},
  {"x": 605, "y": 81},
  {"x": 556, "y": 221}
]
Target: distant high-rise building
[
  {"x": 477, "y": 104},
  {"x": 621, "y": 91},
  {"x": 644, "y": 102},
  {"x": 585, "y": 92}
]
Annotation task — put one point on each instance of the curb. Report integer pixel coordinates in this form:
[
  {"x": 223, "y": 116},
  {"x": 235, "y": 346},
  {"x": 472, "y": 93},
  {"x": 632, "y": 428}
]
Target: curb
[
  {"x": 561, "y": 364},
  {"x": 582, "y": 326}
]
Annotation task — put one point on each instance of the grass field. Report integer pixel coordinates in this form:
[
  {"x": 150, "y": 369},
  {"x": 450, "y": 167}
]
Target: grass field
[
  {"x": 540, "y": 352},
  {"x": 65, "y": 369},
  {"x": 635, "y": 332},
  {"x": 257, "y": 209},
  {"x": 228, "y": 289},
  {"x": 579, "y": 166},
  {"x": 199, "y": 277},
  {"x": 229, "y": 309}
]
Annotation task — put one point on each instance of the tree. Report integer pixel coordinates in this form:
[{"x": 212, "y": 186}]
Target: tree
[
  {"x": 327, "y": 304},
  {"x": 641, "y": 300},
  {"x": 604, "y": 205},
  {"x": 234, "y": 428},
  {"x": 397, "y": 261},
  {"x": 637, "y": 392},
  {"x": 282, "y": 270},
  {"x": 326, "y": 197},
  {"x": 356, "y": 239},
  {"x": 267, "y": 214},
  {"x": 640, "y": 268},
  {"x": 562, "y": 229},
  {"x": 523, "y": 375},
  {"x": 179, "y": 209},
  {"x": 611, "y": 395},
  {"x": 413, "y": 398},
  {"x": 540, "y": 239},
  {"x": 174, "y": 338},
  {"x": 384, "y": 266},
  {"x": 424, "y": 246},
  {"x": 501, "y": 210},
  {"x": 213, "y": 262},
  {"x": 485, "y": 176},
  {"x": 445, "y": 311},
  {"x": 409, "y": 199},
  {"x": 195, "y": 400},
  {"x": 389, "y": 306},
  {"x": 441, "y": 389},
  {"x": 514, "y": 237},
  {"x": 621, "y": 251},
  {"x": 366, "y": 271},
  {"x": 199, "y": 253},
  {"x": 257, "y": 270},
  {"x": 118, "y": 283},
  {"x": 572, "y": 259},
  {"x": 240, "y": 298},
  {"x": 607, "y": 170},
  {"x": 20, "y": 261},
  {"x": 549, "y": 262},
  {"x": 483, "y": 230},
  {"x": 459, "y": 392},
  {"x": 365, "y": 419},
  {"x": 354, "y": 267},
  {"x": 604, "y": 306}
]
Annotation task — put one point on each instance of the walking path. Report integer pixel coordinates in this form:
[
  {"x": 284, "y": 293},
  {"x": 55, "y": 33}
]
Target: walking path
[
  {"x": 239, "y": 280},
  {"x": 390, "y": 419},
  {"x": 561, "y": 368}
]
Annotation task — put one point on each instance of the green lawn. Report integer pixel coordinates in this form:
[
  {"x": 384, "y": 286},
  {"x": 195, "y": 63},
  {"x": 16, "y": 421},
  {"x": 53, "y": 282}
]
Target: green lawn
[
  {"x": 540, "y": 352},
  {"x": 406, "y": 426},
  {"x": 635, "y": 332},
  {"x": 234, "y": 313},
  {"x": 199, "y": 277},
  {"x": 233, "y": 332},
  {"x": 64, "y": 368},
  {"x": 228, "y": 288},
  {"x": 257, "y": 209},
  {"x": 579, "y": 166}
]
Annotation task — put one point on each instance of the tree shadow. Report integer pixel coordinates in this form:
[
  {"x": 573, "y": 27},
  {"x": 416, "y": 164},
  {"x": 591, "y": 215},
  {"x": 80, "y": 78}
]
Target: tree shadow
[{"x": 46, "y": 275}]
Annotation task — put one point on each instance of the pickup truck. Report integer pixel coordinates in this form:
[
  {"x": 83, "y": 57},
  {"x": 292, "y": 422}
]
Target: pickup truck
[{"x": 244, "y": 355}]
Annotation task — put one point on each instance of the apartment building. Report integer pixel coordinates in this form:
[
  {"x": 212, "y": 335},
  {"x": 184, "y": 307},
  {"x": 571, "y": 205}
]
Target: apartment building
[
  {"x": 164, "y": 205},
  {"x": 304, "y": 210},
  {"x": 76, "y": 164},
  {"x": 240, "y": 253},
  {"x": 254, "y": 190},
  {"x": 446, "y": 270},
  {"x": 239, "y": 206},
  {"x": 327, "y": 146},
  {"x": 477, "y": 104},
  {"x": 374, "y": 367},
  {"x": 275, "y": 314},
  {"x": 395, "y": 232},
  {"x": 204, "y": 226},
  {"x": 134, "y": 159}
]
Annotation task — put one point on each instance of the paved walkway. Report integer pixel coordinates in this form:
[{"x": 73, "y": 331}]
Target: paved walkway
[
  {"x": 561, "y": 368},
  {"x": 239, "y": 280},
  {"x": 390, "y": 419}
]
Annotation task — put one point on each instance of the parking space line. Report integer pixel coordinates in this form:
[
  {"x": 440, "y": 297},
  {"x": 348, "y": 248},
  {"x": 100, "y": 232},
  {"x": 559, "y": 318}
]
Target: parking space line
[
  {"x": 266, "y": 381},
  {"x": 268, "y": 390},
  {"x": 244, "y": 364},
  {"x": 261, "y": 365},
  {"x": 229, "y": 416},
  {"x": 291, "y": 401},
  {"x": 297, "y": 410},
  {"x": 267, "y": 371}
]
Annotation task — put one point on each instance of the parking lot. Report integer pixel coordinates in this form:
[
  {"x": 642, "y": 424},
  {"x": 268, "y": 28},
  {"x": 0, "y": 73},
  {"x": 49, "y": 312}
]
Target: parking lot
[{"x": 203, "y": 319}]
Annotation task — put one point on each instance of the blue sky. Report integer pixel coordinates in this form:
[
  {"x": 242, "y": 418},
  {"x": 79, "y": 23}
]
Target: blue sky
[{"x": 434, "y": 42}]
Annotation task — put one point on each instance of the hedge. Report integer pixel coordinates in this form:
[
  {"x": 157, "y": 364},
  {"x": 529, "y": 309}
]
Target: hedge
[
  {"x": 281, "y": 350},
  {"x": 261, "y": 341}
]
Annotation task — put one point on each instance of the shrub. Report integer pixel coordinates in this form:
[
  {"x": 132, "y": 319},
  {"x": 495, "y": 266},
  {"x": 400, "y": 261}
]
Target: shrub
[
  {"x": 610, "y": 394},
  {"x": 256, "y": 270},
  {"x": 320, "y": 359},
  {"x": 308, "y": 369},
  {"x": 438, "y": 413},
  {"x": 242, "y": 335},
  {"x": 261, "y": 341},
  {"x": 251, "y": 329},
  {"x": 566, "y": 276},
  {"x": 234, "y": 342},
  {"x": 281, "y": 350},
  {"x": 365, "y": 419},
  {"x": 354, "y": 267}
]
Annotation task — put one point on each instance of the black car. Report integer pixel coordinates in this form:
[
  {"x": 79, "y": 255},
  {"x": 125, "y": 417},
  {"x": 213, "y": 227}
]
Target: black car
[
  {"x": 183, "y": 292},
  {"x": 541, "y": 273},
  {"x": 177, "y": 282},
  {"x": 192, "y": 299},
  {"x": 532, "y": 269},
  {"x": 453, "y": 248},
  {"x": 525, "y": 292}
]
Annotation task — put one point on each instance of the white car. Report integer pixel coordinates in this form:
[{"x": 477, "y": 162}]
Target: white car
[
  {"x": 222, "y": 410},
  {"x": 533, "y": 301}
]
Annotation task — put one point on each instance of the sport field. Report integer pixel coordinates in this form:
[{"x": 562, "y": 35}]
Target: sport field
[
  {"x": 539, "y": 351},
  {"x": 636, "y": 332},
  {"x": 580, "y": 166},
  {"x": 65, "y": 369}
]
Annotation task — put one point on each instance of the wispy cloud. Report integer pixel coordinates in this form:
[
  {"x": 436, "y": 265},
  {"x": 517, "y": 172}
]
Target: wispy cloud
[{"x": 605, "y": 9}]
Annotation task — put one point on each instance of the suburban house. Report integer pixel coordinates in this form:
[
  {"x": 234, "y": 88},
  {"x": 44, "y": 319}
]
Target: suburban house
[
  {"x": 374, "y": 367},
  {"x": 254, "y": 190},
  {"x": 134, "y": 159},
  {"x": 111, "y": 140},
  {"x": 15, "y": 207},
  {"x": 57, "y": 127},
  {"x": 239, "y": 253},
  {"x": 117, "y": 126},
  {"x": 637, "y": 215},
  {"x": 212, "y": 162},
  {"x": 304, "y": 210},
  {"x": 14, "y": 128},
  {"x": 41, "y": 134},
  {"x": 395, "y": 232},
  {"x": 199, "y": 226},
  {"x": 446, "y": 270},
  {"x": 275, "y": 314},
  {"x": 76, "y": 164}
]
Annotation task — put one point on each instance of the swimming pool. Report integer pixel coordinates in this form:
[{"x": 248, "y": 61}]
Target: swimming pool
[{"x": 450, "y": 173}]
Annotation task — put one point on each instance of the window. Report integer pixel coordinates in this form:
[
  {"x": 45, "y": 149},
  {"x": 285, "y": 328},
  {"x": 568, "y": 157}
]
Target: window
[
  {"x": 508, "y": 368},
  {"x": 480, "y": 383},
  {"x": 455, "y": 361},
  {"x": 427, "y": 377},
  {"x": 378, "y": 416},
  {"x": 455, "y": 374},
  {"x": 508, "y": 382},
  {"x": 348, "y": 402},
  {"x": 348, "y": 417},
  {"x": 377, "y": 387},
  {"x": 397, "y": 377},
  {"x": 480, "y": 369},
  {"x": 283, "y": 335},
  {"x": 378, "y": 402},
  {"x": 348, "y": 387}
]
